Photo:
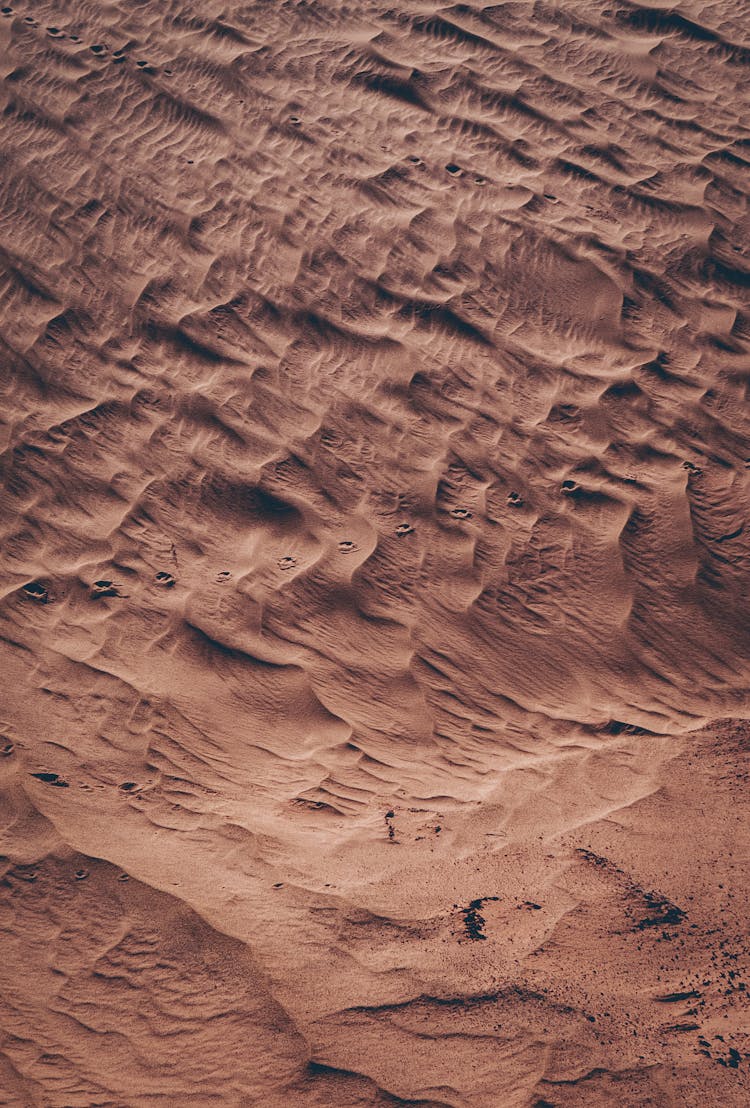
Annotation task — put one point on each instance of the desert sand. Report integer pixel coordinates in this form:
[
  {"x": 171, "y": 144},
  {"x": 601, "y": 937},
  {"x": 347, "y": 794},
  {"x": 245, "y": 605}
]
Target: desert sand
[{"x": 374, "y": 554}]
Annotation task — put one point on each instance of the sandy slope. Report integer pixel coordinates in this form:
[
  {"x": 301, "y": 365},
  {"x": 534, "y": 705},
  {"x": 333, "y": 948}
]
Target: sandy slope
[{"x": 375, "y": 554}]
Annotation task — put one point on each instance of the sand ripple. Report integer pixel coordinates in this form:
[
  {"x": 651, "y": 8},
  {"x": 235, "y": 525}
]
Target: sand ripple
[{"x": 375, "y": 553}]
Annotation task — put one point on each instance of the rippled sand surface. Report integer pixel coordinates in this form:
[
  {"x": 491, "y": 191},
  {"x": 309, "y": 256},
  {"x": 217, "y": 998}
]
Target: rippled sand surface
[{"x": 374, "y": 554}]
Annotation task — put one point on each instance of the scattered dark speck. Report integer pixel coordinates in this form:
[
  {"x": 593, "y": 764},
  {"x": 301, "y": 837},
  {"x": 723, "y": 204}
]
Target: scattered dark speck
[{"x": 474, "y": 921}]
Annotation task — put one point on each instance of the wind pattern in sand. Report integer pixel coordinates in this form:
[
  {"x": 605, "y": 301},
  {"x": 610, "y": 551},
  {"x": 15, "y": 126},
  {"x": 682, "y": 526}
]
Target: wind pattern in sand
[{"x": 374, "y": 554}]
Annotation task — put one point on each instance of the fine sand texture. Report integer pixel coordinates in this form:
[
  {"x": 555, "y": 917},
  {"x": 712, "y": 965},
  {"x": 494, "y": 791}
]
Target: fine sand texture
[{"x": 374, "y": 554}]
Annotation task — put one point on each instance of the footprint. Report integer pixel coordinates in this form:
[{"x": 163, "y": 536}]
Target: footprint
[
  {"x": 26, "y": 874},
  {"x": 124, "y": 877},
  {"x": 6, "y": 750},
  {"x": 479, "y": 180},
  {"x": 105, "y": 588},
  {"x": 404, "y": 529},
  {"x": 287, "y": 562},
  {"x": 52, "y": 779},
  {"x": 81, "y": 874},
  {"x": 223, "y": 575},
  {"x": 295, "y": 120},
  {"x": 6, "y": 11},
  {"x": 55, "y": 32},
  {"x": 454, "y": 169},
  {"x": 128, "y": 786},
  {"x": 346, "y": 546},
  {"x": 569, "y": 487},
  {"x": 99, "y": 48},
  {"x": 515, "y": 500},
  {"x": 166, "y": 580},
  {"x": 415, "y": 160},
  {"x": 461, "y": 513},
  {"x": 36, "y": 591}
]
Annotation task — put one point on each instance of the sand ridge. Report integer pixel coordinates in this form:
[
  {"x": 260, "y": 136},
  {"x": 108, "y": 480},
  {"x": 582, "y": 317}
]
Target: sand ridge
[{"x": 374, "y": 554}]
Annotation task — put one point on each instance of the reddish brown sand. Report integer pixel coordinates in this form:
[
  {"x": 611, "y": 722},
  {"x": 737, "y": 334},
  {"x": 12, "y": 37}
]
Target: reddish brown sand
[{"x": 375, "y": 554}]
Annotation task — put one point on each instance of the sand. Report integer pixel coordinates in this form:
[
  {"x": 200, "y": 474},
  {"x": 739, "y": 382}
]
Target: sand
[{"x": 374, "y": 554}]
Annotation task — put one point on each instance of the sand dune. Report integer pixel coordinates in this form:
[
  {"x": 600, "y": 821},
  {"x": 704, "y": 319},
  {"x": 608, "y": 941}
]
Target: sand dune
[{"x": 374, "y": 554}]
